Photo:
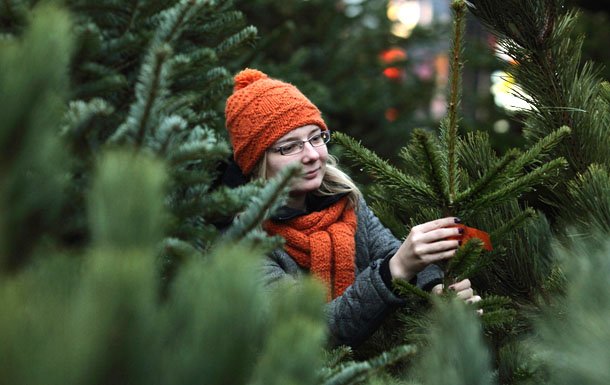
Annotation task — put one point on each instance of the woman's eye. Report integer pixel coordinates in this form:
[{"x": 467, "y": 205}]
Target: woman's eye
[
  {"x": 288, "y": 147},
  {"x": 316, "y": 139}
]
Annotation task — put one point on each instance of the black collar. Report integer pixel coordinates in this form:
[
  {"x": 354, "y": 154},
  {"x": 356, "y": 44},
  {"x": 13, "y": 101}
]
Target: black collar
[{"x": 313, "y": 203}]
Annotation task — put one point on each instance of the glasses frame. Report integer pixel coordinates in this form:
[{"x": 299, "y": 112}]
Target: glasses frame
[{"x": 301, "y": 143}]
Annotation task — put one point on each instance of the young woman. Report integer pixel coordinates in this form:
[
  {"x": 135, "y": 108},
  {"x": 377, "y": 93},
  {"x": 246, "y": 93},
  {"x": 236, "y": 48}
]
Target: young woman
[{"x": 329, "y": 230}]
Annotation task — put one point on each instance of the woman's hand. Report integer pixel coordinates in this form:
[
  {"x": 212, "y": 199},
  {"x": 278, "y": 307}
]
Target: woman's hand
[
  {"x": 426, "y": 243},
  {"x": 463, "y": 290}
]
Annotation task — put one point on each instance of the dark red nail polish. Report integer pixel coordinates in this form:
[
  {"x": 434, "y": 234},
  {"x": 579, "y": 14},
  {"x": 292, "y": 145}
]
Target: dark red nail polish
[
  {"x": 457, "y": 220},
  {"x": 461, "y": 230}
]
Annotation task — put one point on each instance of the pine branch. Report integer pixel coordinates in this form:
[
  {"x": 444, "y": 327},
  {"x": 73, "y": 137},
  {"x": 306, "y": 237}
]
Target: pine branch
[
  {"x": 459, "y": 9},
  {"x": 384, "y": 172},
  {"x": 79, "y": 115},
  {"x": 221, "y": 22},
  {"x": 260, "y": 206},
  {"x": 405, "y": 288},
  {"x": 456, "y": 353},
  {"x": 245, "y": 36},
  {"x": 519, "y": 186},
  {"x": 437, "y": 177},
  {"x": 513, "y": 224},
  {"x": 180, "y": 250},
  {"x": 574, "y": 333},
  {"x": 198, "y": 150},
  {"x": 136, "y": 220},
  {"x": 459, "y": 266},
  {"x": 386, "y": 213},
  {"x": 154, "y": 78},
  {"x": 548, "y": 70},
  {"x": 486, "y": 182},
  {"x": 588, "y": 202},
  {"x": 605, "y": 91},
  {"x": 335, "y": 356},
  {"x": 497, "y": 319},
  {"x": 150, "y": 90},
  {"x": 356, "y": 372},
  {"x": 542, "y": 147}
]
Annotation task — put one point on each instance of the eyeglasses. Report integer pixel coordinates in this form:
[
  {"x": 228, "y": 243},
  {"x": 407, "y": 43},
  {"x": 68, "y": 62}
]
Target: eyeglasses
[{"x": 295, "y": 147}]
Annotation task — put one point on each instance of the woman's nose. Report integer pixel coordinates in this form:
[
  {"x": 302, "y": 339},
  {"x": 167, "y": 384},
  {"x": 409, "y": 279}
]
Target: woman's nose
[{"x": 310, "y": 152}]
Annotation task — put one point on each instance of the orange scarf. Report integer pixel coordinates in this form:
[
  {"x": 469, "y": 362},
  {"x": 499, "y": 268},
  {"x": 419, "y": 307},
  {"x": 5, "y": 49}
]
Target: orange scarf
[{"x": 323, "y": 242}]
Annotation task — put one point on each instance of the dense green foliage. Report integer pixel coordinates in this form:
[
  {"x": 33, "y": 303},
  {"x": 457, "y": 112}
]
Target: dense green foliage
[{"x": 112, "y": 268}]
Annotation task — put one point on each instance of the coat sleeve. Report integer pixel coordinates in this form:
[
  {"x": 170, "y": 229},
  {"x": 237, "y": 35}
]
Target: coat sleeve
[
  {"x": 358, "y": 312},
  {"x": 355, "y": 315}
]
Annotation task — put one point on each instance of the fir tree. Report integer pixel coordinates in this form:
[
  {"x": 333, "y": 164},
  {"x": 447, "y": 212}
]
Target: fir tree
[
  {"x": 562, "y": 91},
  {"x": 152, "y": 76},
  {"x": 462, "y": 176},
  {"x": 92, "y": 314},
  {"x": 449, "y": 175}
]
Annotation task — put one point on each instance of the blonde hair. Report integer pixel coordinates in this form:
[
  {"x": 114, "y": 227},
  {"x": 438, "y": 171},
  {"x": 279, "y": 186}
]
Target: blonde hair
[{"x": 335, "y": 181}]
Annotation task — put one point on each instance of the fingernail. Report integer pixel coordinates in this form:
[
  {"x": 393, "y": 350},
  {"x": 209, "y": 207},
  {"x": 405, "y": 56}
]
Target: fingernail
[
  {"x": 459, "y": 243},
  {"x": 461, "y": 230},
  {"x": 457, "y": 220}
]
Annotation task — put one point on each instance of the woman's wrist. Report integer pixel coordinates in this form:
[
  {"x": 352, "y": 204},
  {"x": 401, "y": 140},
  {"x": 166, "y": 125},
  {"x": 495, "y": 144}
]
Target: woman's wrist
[{"x": 398, "y": 270}]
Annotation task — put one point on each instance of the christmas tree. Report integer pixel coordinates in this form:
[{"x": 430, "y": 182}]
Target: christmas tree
[
  {"x": 563, "y": 170},
  {"x": 109, "y": 151}
]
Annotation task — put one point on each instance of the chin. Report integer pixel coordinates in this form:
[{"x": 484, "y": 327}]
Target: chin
[{"x": 307, "y": 186}]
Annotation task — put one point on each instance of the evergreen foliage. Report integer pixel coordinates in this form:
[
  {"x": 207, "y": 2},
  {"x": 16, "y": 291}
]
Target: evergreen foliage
[
  {"x": 82, "y": 299},
  {"x": 110, "y": 150},
  {"x": 449, "y": 175},
  {"x": 33, "y": 86},
  {"x": 456, "y": 346},
  {"x": 443, "y": 176},
  {"x": 573, "y": 332},
  {"x": 561, "y": 90},
  {"x": 150, "y": 76}
]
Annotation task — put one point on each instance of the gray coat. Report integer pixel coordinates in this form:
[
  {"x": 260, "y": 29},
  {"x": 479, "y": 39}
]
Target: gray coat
[{"x": 359, "y": 311}]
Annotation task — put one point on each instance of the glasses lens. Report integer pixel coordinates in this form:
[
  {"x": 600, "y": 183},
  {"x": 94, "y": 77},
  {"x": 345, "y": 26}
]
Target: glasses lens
[
  {"x": 291, "y": 148},
  {"x": 297, "y": 146},
  {"x": 326, "y": 136},
  {"x": 319, "y": 139}
]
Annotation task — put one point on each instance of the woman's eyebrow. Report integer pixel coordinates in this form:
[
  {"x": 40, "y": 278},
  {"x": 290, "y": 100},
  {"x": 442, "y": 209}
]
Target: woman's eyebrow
[{"x": 293, "y": 138}]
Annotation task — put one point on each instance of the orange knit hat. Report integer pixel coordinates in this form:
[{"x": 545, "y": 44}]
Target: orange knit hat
[{"x": 260, "y": 111}]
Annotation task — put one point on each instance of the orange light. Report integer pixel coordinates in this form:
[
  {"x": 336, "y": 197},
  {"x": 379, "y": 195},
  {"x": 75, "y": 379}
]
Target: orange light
[
  {"x": 392, "y": 55},
  {"x": 391, "y": 114},
  {"x": 392, "y": 73}
]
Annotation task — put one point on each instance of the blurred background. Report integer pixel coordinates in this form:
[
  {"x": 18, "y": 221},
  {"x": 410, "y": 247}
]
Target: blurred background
[{"x": 378, "y": 69}]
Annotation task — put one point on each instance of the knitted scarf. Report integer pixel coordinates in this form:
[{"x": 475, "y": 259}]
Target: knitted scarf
[{"x": 323, "y": 242}]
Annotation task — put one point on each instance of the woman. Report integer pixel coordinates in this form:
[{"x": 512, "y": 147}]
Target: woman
[{"x": 330, "y": 232}]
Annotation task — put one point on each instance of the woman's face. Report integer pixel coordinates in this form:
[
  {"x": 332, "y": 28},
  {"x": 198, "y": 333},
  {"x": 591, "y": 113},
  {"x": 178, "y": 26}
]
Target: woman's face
[{"x": 312, "y": 159}]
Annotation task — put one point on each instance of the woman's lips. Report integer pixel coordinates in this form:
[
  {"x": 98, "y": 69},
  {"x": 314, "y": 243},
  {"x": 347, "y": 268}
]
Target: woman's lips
[{"x": 311, "y": 174}]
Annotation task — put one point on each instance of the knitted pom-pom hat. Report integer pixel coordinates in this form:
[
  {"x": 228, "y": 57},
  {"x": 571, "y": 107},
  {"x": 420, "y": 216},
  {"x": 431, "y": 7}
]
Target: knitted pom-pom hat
[{"x": 260, "y": 111}]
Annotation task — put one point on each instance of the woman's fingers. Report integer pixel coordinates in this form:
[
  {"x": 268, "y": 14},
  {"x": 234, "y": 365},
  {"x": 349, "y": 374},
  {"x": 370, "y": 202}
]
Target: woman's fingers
[
  {"x": 473, "y": 299},
  {"x": 437, "y": 224},
  {"x": 437, "y": 257},
  {"x": 462, "y": 285},
  {"x": 436, "y": 247},
  {"x": 465, "y": 294},
  {"x": 438, "y": 234},
  {"x": 437, "y": 289}
]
